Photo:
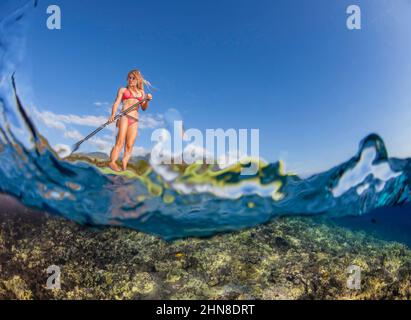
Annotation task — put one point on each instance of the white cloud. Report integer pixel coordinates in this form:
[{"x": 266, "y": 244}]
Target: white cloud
[
  {"x": 59, "y": 121},
  {"x": 73, "y": 134},
  {"x": 106, "y": 143},
  {"x": 103, "y": 145},
  {"x": 140, "y": 151},
  {"x": 49, "y": 119},
  {"x": 150, "y": 121},
  {"x": 92, "y": 121},
  {"x": 101, "y": 103},
  {"x": 62, "y": 150}
]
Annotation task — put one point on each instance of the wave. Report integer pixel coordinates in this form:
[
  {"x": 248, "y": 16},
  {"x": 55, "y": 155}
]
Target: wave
[{"x": 175, "y": 201}]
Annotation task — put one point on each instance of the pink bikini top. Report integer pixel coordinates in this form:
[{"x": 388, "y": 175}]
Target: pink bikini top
[{"x": 128, "y": 95}]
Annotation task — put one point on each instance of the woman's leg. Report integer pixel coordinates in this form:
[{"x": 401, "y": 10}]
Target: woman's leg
[
  {"x": 121, "y": 137},
  {"x": 128, "y": 147}
]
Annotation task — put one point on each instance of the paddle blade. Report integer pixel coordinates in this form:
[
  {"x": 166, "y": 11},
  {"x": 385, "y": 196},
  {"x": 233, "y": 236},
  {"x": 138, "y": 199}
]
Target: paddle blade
[{"x": 75, "y": 147}]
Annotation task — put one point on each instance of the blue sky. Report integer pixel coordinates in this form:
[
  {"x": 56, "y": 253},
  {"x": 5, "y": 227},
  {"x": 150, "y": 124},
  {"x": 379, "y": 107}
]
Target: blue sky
[{"x": 290, "y": 68}]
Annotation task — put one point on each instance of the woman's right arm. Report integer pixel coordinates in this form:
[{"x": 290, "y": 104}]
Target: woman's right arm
[{"x": 116, "y": 104}]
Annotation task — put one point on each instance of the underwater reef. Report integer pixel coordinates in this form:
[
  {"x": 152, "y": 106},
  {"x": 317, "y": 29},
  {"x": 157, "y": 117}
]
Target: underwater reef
[{"x": 287, "y": 258}]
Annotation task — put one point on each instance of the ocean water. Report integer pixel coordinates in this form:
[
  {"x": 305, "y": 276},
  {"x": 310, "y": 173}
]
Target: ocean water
[{"x": 176, "y": 201}]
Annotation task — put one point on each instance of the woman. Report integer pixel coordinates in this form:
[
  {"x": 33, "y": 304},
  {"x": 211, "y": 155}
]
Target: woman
[{"x": 128, "y": 124}]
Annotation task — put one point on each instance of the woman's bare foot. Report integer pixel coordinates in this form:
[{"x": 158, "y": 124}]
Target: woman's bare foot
[
  {"x": 124, "y": 166},
  {"x": 114, "y": 166}
]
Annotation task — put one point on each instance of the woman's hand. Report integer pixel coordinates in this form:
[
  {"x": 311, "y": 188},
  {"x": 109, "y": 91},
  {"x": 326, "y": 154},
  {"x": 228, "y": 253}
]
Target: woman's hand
[
  {"x": 149, "y": 97},
  {"x": 111, "y": 118}
]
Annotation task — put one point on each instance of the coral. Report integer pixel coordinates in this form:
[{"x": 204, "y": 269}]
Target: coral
[
  {"x": 288, "y": 258},
  {"x": 17, "y": 287}
]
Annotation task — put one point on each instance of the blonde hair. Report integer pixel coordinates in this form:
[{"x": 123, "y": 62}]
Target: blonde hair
[{"x": 141, "y": 82}]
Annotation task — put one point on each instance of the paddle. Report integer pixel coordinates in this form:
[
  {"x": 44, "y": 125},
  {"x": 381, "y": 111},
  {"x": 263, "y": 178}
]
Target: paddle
[{"x": 76, "y": 146}]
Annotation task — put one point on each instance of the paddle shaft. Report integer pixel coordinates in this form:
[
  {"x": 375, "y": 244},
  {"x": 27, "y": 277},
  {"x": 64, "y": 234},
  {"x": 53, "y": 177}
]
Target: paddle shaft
[{"x": 121, "y": 114}]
